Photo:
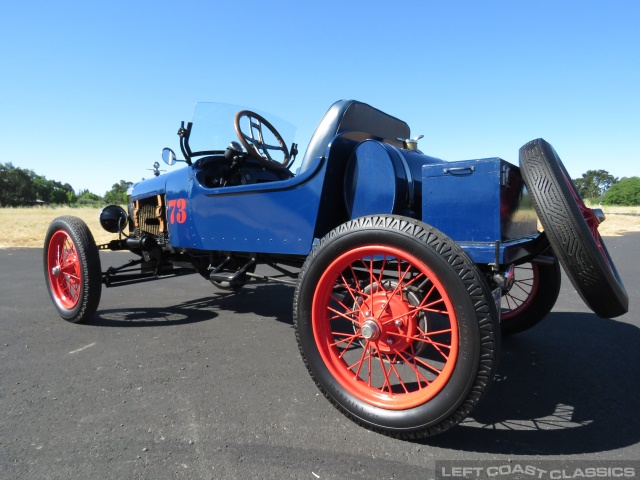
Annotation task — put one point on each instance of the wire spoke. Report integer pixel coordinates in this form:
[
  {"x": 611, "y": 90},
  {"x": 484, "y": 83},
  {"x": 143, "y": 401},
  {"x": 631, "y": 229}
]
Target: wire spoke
[
  {"x": 519, "y": 286},
  {"x": 413, "y": 366},
  {"x": 392, "y": 368},
  {"x": 342, "y": 315},
  {"x": 426, "y": 365},
  {"x": 385, "y": 373},
  {"x": 365, "y": 354},
  {"x": 414, "y": 311},
  {"x": 349, "y": 338}
]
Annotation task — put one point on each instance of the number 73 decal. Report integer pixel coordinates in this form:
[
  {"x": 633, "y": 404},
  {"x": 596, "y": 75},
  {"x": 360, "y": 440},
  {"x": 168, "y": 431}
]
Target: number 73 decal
[{"x": 177, "y": 210}]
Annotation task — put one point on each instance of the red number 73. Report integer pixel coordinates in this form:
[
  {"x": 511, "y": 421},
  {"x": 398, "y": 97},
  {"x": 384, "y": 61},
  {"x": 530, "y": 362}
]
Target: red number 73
[{"x": 177, "y": 210}]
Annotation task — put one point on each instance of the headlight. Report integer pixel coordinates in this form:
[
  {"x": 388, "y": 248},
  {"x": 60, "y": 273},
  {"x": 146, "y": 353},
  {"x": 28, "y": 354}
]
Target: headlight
[{"x": 113, "y": 218}]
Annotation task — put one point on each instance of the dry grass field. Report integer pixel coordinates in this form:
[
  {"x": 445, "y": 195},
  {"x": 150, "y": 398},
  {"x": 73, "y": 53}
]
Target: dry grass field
[
  {"x": 619, "y": 220},
  {"x": 26, "y": 226}
]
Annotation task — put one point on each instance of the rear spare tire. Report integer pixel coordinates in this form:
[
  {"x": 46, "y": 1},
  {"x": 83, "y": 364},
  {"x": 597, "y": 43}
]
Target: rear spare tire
[{"x": 572, "y": 230}]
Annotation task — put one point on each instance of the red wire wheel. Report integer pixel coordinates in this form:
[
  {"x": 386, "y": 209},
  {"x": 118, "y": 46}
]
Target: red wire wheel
[
  {"x": 534, "y": 292},
  {"x": 572, "y": 230},
  {"x": 64, "y": 270},
  {"x": 72, "y": 269},
  {"x": 396, "y": 325},
  {"x": 520, "y": 297},
  {"x": 371, "y": 335}
]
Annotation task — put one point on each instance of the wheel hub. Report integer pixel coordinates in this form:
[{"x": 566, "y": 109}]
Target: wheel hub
[
  {"x": 370, "y": 330},
  {"x": 55, "y": 271},
  {"x": 386, "y": 320}
]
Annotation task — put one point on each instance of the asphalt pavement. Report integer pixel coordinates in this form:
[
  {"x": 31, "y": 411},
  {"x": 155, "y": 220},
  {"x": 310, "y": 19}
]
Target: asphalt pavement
[{"x": 176, "y": 379}]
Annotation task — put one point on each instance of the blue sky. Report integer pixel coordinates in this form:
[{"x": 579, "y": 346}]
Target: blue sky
[{"x": 91, "y": 91}]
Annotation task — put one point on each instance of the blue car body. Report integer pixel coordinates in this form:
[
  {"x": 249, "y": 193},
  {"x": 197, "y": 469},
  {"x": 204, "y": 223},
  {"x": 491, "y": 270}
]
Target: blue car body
[{"x": 481, "y": 204}]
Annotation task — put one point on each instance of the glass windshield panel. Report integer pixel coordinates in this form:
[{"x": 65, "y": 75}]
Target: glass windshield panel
[{"x": 214, "y": 128}]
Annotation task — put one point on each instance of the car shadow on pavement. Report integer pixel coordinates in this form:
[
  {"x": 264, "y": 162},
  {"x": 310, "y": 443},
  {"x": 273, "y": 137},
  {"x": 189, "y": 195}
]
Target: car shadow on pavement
[
  {"x": 151, "y": 317},
  {"x": 265, "y": 300},
  {"x": 567, "y": 386},
  {"x": 259, "y": 299}
]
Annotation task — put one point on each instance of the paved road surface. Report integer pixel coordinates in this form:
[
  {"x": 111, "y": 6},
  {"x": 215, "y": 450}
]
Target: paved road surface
[{"x": 175, "y": 379}]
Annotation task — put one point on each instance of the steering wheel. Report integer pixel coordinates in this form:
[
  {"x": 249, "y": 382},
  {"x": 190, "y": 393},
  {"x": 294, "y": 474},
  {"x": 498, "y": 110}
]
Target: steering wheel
[{"x": 254, "y": 142}]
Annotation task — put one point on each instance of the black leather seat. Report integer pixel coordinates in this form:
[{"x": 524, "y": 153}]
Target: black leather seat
[{"x": 351, "y": 115}]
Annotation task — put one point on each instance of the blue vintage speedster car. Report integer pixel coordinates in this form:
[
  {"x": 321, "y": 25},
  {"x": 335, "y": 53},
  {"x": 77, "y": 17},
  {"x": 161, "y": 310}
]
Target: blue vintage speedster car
[{"x": 407, "y": 268}]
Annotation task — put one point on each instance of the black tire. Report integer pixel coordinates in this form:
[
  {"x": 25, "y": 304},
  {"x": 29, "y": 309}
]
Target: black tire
[
  {"x": 532, "y": 296},
  {"x": 72, "y": 269},
  {"x": 572, "y": 230},
  {"x": 392, "y": 324}
]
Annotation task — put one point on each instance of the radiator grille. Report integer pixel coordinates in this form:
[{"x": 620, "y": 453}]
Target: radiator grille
[{"x": 150, "y": 215}]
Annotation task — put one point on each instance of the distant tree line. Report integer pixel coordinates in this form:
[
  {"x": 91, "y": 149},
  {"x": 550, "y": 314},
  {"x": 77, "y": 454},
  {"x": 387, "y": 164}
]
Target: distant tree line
[
  {"x": 599, "y": 186},
  {"x": 23, "y": 187},
  {"x": 19, "y": 186}
]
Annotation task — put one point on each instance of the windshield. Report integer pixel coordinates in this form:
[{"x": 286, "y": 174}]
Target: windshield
[{"x": 213, "y": 127}]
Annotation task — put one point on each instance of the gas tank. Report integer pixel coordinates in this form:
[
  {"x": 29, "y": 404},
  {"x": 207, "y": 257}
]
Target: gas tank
[{"x": 384, "y": 179}]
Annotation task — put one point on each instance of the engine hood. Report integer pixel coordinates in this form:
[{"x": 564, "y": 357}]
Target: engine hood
[{"x": 153, "y": 186}]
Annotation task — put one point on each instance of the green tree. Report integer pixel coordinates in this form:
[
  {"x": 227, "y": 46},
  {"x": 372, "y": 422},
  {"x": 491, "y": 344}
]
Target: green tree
[
  {"x": 624, "y": 192},
  {"x": 59, "y": 191},
  {"x": 85, "y": 197},
  {"x": 594, "y": 183},
  {"x": 20, "y": 186},
  {"x": 118, "y": 193},
  {"x": 16, "y": 186},
  {"x": 41, "y": 187}
]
